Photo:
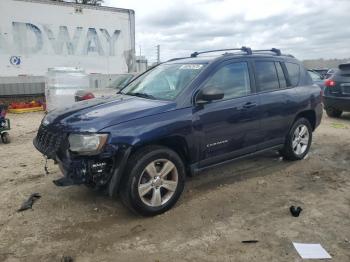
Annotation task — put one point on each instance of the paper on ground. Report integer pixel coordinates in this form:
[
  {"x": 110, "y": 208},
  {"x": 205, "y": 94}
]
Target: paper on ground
[{"x": 311, "y": 251}]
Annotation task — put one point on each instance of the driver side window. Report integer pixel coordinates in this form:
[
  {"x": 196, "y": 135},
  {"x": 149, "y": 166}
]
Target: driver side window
[{"x": 233, "y": 79}]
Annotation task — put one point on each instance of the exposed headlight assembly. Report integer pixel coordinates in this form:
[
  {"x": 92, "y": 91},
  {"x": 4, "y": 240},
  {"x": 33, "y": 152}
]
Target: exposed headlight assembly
[{"x": 87, "y": 144}]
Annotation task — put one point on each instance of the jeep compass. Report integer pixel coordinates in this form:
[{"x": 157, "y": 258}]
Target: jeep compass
[{"x": 181, "y": 117}]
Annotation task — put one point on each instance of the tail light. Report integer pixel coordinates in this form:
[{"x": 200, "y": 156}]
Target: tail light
[{"x": 329, "y": 83}]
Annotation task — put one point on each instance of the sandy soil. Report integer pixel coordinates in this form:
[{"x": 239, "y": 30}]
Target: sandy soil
[{"x": 244, "y": 200}]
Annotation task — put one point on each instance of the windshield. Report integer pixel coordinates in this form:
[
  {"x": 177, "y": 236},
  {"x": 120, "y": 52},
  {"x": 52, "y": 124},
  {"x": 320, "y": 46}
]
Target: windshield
[{"x": 164, "y": 82}]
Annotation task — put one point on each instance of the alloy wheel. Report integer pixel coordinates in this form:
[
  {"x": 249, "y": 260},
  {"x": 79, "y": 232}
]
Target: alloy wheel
[
  {"x": 300, "y": 139},
  {"x": 158, "y": 182}
]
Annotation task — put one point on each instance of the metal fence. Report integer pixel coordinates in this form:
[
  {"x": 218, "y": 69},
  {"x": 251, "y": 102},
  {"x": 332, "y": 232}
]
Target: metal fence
[
  {"x": 22, "y": 85},
  {"x": 35, "y": 85}
]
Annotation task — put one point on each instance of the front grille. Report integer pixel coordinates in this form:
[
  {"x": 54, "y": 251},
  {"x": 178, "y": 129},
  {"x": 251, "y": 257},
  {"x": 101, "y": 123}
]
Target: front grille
[{"x": 48, "y": 142}]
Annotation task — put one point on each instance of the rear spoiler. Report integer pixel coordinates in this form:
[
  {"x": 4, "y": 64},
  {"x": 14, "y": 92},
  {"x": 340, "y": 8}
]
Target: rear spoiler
[{"x": 344, "y": 66}]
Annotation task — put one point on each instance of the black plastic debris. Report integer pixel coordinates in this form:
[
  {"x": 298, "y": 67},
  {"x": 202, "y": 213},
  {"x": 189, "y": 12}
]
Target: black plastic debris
[
  {"x": 250, "y": 241},
  {"x": 29, "y": 202},
  {"x": 63, "y": 182},
  {"x": 295, "y": 211},
  {"x": 67, "y": 259},
  {"x": 46, "y": 168}
]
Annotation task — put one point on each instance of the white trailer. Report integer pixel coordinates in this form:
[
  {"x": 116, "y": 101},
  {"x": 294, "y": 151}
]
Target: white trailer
[{"x": 39, "y": 34}]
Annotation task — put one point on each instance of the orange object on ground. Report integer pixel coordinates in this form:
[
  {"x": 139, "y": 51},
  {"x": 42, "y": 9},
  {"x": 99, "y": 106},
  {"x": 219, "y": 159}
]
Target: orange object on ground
[{"x": 25, "y": 110}]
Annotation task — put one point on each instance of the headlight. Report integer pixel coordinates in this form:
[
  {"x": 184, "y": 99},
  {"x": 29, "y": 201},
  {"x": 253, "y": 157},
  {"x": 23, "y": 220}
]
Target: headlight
[{"x": 87, "y": 144}]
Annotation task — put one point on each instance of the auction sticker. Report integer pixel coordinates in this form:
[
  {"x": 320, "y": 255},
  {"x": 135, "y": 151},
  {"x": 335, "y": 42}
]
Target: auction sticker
[{"x": 191, "y": 66}]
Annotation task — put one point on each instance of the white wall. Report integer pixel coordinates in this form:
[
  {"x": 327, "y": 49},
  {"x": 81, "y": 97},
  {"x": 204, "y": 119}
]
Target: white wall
[{"x": 36, "y": 35}]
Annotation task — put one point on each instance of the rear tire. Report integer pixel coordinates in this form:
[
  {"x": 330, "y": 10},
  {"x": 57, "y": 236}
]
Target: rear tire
[
  {"x": 332, "y": 112},
  {"x": 154, "y": 182},
  {"x": 298, "y": 140}
]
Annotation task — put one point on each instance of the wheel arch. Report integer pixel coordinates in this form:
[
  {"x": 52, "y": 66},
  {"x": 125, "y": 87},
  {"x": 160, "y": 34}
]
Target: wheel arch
[
  {"x": 310, "y": 115},
  {"x": 176, "y": 143}
]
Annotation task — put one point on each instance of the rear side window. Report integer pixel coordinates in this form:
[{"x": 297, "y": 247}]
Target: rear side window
[
  {"x": 294, "y": 73},
  {"x": 266, "y": 75},
  {"x": 233, "y": 79},
  {"x": 281, "y": 77},
  {"x": 344, "y": 70}
]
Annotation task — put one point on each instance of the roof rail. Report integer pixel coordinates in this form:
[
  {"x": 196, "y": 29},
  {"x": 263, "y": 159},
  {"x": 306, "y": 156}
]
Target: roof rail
[
  {"x": 274, "y": 50},
  {"x": 248, "y": 50}
]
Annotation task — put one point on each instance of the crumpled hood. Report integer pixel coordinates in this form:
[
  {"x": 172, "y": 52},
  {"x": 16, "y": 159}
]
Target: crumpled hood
[{"x": 95, "y": 114}]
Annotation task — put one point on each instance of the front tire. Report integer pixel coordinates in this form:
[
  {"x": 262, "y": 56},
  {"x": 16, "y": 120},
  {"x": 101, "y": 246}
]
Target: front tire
[
  {"x": 332, "y": 112},
  {"x": 155, "y": 180},
  {"x": 298, "y": 140}
]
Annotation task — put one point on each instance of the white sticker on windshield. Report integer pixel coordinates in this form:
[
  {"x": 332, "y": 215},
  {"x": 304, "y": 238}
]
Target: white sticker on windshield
[{"x": 191, "y": 66}]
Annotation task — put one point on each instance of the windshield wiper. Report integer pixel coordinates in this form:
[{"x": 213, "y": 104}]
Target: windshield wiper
[{"x": 144, "y": 95}]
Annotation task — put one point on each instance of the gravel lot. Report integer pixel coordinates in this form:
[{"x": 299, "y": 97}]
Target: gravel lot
[{"x": 245, "y": 200}]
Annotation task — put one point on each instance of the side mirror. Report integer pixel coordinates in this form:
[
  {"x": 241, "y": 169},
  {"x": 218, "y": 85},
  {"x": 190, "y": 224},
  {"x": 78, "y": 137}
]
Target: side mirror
[{"x": 209, "y": 94}]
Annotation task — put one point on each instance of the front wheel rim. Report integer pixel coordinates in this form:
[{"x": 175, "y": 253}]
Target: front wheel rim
[
  {"x": 158, "y": 182},
  {"x": 300, "y": 141}
]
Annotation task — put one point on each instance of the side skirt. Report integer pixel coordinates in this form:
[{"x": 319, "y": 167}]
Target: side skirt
[{"x": 195, "y": 169}]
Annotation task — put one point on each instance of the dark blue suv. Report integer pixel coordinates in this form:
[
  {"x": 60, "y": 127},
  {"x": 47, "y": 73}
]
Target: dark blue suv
[{"x": 181, "y": 117}]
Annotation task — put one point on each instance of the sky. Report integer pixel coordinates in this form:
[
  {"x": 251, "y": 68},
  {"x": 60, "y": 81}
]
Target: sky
[{"x": 308, "y": 29}]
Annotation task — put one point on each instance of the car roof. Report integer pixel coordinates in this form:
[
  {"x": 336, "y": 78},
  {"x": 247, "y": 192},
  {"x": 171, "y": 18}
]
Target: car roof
[{"x": 212, "y": 58}]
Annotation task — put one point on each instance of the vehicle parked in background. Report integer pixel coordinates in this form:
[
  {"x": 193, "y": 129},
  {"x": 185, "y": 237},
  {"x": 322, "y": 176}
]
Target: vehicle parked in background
[
  {"x": 330, "y": 72},
  {"x": 120, "y": 82},
  {"x": 181, "y": 117},
  {"x": 337, "y": 92},
  {"x": 316, "y": 78},
  {"x": 322, "y": 71}
]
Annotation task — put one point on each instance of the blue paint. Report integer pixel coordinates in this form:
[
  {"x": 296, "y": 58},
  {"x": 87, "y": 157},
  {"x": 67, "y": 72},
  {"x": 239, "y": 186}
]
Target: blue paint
[{"x": 15, "y": 60}]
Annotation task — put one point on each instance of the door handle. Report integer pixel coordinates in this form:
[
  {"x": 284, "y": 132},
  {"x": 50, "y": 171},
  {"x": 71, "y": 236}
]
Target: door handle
[{"x": 249, "y": 105}]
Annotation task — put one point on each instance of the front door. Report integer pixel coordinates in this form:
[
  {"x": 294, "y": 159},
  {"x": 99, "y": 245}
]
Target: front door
[{"x": 228, "y": 127}]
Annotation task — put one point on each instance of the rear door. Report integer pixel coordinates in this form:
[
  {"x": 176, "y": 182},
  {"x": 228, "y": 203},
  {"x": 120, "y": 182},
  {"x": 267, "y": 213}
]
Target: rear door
[
  {"x": 228, "y": 127},
  {"x": 277, "y": 106}
]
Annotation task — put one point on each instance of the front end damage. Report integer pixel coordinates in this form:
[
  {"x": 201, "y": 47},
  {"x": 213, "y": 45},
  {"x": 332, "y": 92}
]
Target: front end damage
[{"x": 102, "y": 170}]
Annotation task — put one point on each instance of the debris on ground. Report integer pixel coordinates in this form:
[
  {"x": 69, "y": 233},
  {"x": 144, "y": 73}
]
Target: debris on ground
[
  {"x": 311, "y": 251},
  {"x": 64, "y": 181},
  {"x": 29, "y": 202},
  {"x": 262, "y": 182},
  {"x": 250, "y": 241},
  {"x": 295, "y": 211},
  {"x": 46, "y": 168},
  {"x": 67, "y": 259},
  {"x": 339, "y": 125}
]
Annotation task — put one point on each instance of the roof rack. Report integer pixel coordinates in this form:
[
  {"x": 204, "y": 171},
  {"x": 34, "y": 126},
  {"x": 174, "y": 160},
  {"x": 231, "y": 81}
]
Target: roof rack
[
  {"x": 248, "y": 50},
  {"x": 274, "y": 50}
]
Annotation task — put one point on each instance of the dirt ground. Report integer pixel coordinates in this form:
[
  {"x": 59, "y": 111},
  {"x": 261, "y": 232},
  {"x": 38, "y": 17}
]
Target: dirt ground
[{"x": 245, "y": 200}]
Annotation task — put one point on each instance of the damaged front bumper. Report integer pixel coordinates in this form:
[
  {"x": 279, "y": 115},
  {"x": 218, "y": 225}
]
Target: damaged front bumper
[{"x": 102, "y": 170}]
